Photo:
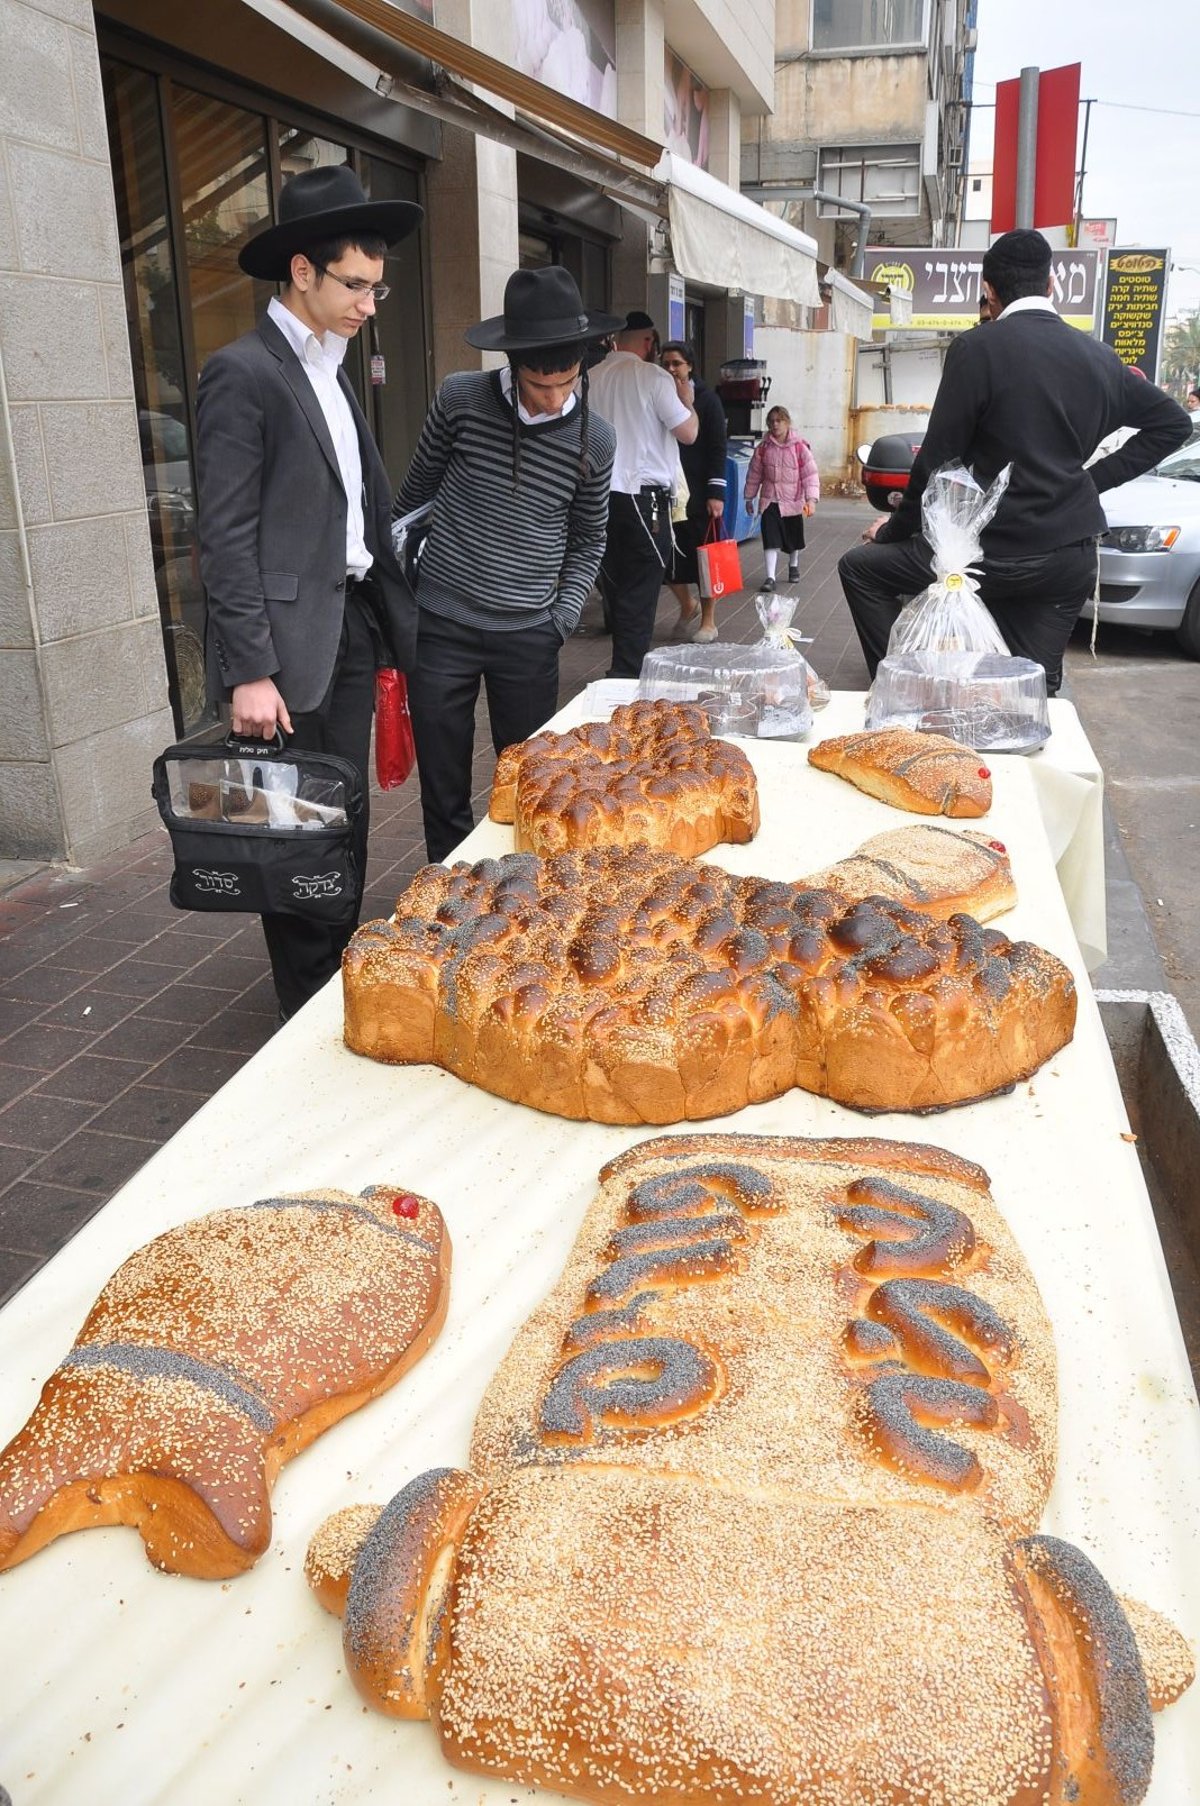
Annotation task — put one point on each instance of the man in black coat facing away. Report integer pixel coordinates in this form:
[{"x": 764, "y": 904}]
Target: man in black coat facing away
[
  {"x": 1039, "y": 395},
  {"x": 305, "y": 597}
]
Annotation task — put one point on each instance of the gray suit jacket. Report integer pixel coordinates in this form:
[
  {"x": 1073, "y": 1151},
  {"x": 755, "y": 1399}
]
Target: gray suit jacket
[{"x": 272, "y": 524}]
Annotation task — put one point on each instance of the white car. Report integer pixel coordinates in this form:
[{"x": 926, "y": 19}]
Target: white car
[{"x": 1150, "y": 556}]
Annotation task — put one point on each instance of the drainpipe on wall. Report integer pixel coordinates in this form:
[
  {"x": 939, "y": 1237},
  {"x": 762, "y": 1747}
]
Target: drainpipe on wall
[{"x": 782, "y": 191}]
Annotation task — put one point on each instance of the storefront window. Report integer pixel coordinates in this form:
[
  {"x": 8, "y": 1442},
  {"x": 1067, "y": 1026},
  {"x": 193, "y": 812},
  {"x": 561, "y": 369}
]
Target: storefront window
[
  {"x": 152, "y": 307},
  {"x": 192, "y": 176},
  {"x": 225, "y": 193}
]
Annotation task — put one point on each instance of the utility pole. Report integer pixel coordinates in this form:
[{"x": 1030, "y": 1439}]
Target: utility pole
[
  {"x": 1027, "y": 117},
  {"x": 1087, "y": 120}
]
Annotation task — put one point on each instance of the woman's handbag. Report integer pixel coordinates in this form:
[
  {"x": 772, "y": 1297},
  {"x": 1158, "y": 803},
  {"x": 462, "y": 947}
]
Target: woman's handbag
[
  {"x": 257, "y": 828},
  {"x": 718, "y": 564},
  {"x": 395, "y": 748}
]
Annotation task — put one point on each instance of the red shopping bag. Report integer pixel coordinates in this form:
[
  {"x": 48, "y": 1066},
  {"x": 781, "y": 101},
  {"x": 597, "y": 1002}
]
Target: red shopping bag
[
  {"x": 395, "y": 750},
  {"x": 717, "y": 563}
]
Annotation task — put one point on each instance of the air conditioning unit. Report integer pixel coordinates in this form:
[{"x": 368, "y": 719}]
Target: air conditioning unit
[{"x": 971, "y": 38}]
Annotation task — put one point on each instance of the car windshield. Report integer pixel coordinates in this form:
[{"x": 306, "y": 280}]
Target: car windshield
[{"x": 1183, "y": 465}]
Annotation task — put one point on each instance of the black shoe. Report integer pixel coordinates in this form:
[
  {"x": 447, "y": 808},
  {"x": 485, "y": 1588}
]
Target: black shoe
[
  {"x": 768, "y": 583},
  {"x": 793, "y": 573}
]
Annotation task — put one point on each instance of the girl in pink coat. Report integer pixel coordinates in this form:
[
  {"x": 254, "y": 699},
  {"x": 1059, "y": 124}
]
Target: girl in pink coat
[{"x": 784, "y": 471}]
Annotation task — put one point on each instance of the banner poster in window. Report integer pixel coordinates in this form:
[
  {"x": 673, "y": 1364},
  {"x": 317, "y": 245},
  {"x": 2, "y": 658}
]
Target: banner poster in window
[
  {"x": 685, "y": 112},
  {"x": 420, "y": 9},
  {"x": 676, "y": 309},
  {"x": 748, "y": 326},
  {"x": 945, "y": 286},
  {"x": 1133, "y": 307},
  {"x": 570, "y": 46}
]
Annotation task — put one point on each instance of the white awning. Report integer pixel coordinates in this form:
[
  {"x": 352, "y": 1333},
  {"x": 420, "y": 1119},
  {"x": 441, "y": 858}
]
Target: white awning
[
  {"x": 850, "y": 308},
  {"x": 720, "y": 237}
]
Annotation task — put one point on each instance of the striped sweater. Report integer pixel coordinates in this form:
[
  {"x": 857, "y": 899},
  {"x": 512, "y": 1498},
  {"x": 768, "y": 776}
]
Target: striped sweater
[{"x": 500, "y": 556}]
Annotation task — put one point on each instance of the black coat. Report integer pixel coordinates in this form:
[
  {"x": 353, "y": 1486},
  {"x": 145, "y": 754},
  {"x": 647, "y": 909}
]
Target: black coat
[
  {"x": 704, "y": 459},
  {"x": 1034, "y": 392},
  {"x": 272, "y": 524}
]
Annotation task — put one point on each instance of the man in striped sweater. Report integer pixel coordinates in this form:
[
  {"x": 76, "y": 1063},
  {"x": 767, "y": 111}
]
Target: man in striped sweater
[{"x": 518, "y": 473}]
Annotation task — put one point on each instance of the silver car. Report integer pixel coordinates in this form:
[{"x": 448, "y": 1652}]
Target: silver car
[{"x": 1150, "y": 556}]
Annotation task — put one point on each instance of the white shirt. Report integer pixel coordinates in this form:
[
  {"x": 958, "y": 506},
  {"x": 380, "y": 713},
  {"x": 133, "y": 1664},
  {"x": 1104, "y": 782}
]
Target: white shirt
[
  {"x": 642, "y": 405},
  {"x": 1028, "y": 304},
  {"x": 506, "y": 384},
  {"x": 322, "y": 359}
]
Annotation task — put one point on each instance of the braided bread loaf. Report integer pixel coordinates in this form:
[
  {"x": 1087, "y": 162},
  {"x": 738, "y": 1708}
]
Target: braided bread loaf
[
  {"x": 923, "y": 773},
  {"x": 750, "y": 1508},
  {"x": 652, "y": 776},
  {"x": 938, "y": 871},
  {"x": 636, "y": 987},
  {"x": 212, "y": 1356}
]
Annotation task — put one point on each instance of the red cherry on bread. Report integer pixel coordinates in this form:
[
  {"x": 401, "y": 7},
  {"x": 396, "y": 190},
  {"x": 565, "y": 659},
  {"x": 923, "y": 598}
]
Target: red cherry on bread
[{"x": 406, "y": 1205}]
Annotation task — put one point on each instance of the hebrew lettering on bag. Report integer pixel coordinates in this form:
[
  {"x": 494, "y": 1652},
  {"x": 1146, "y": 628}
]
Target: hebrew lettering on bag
[
  {"x": 211, "y": 883},
  {"x": 321, "y": 884}
]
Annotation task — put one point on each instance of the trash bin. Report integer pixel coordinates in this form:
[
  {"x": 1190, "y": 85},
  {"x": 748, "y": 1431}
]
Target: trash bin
[{"x": 739, "y": 524}]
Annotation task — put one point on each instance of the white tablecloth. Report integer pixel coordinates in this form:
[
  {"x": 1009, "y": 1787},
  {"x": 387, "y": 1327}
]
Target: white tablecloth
[{"x": 125, "y": 1685}]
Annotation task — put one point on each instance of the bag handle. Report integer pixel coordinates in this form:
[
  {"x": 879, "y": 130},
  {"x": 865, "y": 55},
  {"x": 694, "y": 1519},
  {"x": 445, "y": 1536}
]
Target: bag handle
[
  {"x": 246, "y": 746},
  {"x": 715, "y": 532}
]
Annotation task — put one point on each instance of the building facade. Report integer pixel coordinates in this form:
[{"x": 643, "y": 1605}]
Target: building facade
[
  {"x": 140, "y": 144},
  {"x": 870, "y": 112}
]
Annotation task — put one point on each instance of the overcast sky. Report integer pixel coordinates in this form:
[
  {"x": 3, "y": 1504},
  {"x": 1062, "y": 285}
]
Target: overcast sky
[{"x": 1143, "y": 167}]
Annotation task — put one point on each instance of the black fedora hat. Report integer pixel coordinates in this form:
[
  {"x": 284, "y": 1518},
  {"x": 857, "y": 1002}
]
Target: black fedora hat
[
  {"x": 541, "y": 307},
  {"x": 323, "y": 203}
]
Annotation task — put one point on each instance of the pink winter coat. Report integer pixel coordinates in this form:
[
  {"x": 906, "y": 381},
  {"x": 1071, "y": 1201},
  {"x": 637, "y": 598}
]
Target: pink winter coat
[{"x": 786, "y": 473}]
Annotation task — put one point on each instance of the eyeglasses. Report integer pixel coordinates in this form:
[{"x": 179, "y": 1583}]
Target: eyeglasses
[{"x": 378, "y": 291}]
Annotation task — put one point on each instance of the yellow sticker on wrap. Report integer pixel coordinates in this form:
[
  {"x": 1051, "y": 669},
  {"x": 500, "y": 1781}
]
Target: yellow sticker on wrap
[{"x": 952, "y": 580}]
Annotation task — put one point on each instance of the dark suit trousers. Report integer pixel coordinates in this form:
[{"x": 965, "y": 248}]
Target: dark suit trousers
[
  {"x": 519, "y": 670},
  {"x": 637, "y": 556},
  {"x": 1034, "y": 601},
  {"x": 304, "y": 955}
]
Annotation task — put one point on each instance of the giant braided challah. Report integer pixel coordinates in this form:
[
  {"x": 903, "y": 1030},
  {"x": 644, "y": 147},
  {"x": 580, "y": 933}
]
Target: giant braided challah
[
  {"x": 213, "y": 1355},
  {"x": 632, "y": 986},
  {"x": 752, "y": 1512},
  {"x": 652, "y": 776}
]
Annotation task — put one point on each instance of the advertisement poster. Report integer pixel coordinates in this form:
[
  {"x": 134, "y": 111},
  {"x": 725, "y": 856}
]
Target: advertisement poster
[
  {"x": 685, "y": 112},
  {"x": 945, "y": 286},
  {"x": 1096, "y": 234},
  {"x": 676, "y": 309},
  {"x": 419, "y": 9},
  {"x": 570, "y": 46},
  {"x": 1133, "y": 306}
]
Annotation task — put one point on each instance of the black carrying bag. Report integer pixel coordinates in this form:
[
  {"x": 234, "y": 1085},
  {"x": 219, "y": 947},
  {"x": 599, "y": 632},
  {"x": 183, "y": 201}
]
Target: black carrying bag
[{"x": 259, "y": 829}]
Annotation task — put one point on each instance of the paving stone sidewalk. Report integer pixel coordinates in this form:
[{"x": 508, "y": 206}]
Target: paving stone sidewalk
[{"x": 120, "y": 1016}]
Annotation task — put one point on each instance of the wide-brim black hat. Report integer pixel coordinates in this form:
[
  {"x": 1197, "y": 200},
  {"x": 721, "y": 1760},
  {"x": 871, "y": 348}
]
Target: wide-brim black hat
[
  {"x": 541, "y": 307},
  {"x": 319, "y": 204}
]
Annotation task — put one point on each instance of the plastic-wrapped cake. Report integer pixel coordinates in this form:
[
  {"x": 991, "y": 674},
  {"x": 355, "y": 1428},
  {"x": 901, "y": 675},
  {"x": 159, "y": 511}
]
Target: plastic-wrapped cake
[
  {"x": 758, "y": 691},
  {"x": 993, "y": 703}
]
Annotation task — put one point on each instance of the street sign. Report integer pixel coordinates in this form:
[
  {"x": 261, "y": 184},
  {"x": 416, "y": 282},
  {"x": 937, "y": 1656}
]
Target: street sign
[
  {"x": 945, "y": 286},
  {"x": 1133, "y": 306},
  {"x": 1096, "y": 234}
]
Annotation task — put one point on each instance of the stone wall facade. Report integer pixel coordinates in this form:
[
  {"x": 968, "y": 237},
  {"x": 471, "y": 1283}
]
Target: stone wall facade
[{"x": 83, "y": 686}]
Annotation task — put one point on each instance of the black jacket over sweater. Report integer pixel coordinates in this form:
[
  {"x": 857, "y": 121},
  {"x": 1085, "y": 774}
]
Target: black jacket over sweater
[
  {"x": 704, "y": 459},
  {"x": 1034, "y": 392}
]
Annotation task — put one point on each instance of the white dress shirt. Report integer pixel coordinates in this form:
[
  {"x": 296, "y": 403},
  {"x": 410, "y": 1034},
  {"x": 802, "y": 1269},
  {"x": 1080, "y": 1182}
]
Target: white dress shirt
[
  {"x": 528, "y": 419},
  {"x": 641, "y": 403},
  {"x": 1028, "y": 304},
  {"x": 322, "y": 359}
]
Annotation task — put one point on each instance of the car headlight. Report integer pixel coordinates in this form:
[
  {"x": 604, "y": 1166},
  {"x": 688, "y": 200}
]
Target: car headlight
[{"x": 1140, "y": 539}]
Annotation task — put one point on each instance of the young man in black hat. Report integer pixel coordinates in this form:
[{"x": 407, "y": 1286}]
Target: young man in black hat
[
  {"x": 517, "y": 468},
  {"x": 1039, "y": 395},
  {"x": 305, "y": 597}
]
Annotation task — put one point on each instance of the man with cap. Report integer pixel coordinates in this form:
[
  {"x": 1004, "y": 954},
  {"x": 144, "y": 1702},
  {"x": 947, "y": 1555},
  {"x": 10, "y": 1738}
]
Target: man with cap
[
  {"x": 516, "y": 467},
  {"x": 651, "y": 411},
  {"x": 305, "y": 597},
  {"x": 1039, "y": 395}
]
